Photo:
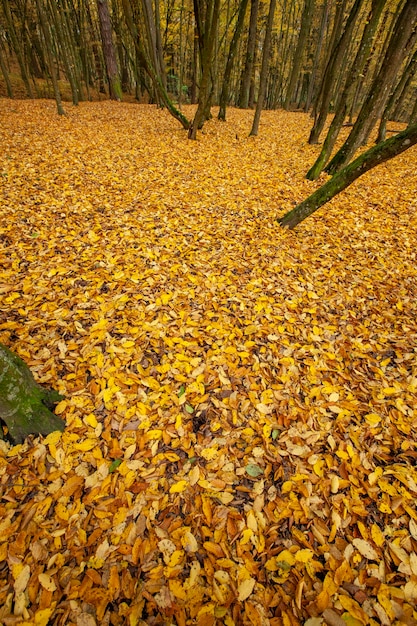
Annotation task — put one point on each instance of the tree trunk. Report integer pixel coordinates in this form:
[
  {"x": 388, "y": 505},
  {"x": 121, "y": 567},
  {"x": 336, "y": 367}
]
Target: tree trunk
[
  {"x": 332, "y": 70},
  {"x": 6, "y": 77},
  {"x": 207, "y": 37},
  {"x": 299, "y": 51},
  {"x": 264, "y": 69},
  {"x": 250, "y": 56},
  {"x": 404, "y": 81},
  {"x": 49, "y": 53},
  {"x": 311, "y": 93},
  {"x": 349, "y": 89},
  {"x": 25, "y": 406},
  {"x": 371, "y": 158},
  {"x": 17, "y": 47},
  {"x": 115, "y": 89},
  {"x": 68, "y": 64},
  {"x": 402, "y": 38},
  {"x": 224, "y": 96},
  {"x": 147, "y": 65}
]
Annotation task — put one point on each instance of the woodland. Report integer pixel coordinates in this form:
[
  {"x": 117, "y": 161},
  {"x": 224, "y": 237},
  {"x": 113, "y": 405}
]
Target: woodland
[{"x": 208, "y": 313}]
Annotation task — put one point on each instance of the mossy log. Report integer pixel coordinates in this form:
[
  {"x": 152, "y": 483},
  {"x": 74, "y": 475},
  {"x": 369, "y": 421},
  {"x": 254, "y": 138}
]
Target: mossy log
[{"x": 25, "y": 406}]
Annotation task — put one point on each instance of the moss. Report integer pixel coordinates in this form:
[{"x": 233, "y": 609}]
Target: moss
[{"x": 25, "y": 406}]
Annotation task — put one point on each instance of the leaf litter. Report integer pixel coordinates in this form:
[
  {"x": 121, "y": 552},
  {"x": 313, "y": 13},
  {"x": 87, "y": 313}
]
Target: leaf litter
[{"x": 240, "y": 400}]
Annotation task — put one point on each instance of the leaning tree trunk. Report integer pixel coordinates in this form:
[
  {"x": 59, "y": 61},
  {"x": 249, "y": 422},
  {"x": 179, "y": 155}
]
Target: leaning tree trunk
[
  {"x": 348, "y": 92},
  {"x": 25, "y": 406},
  {"x": 334, "y": 67},
  {"x": 345, "y": 177},
  {"x": 401, "y": 42}
]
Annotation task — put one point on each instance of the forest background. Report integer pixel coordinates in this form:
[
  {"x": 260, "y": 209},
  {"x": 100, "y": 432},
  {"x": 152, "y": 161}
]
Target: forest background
[{"x": 239, "y": 400}]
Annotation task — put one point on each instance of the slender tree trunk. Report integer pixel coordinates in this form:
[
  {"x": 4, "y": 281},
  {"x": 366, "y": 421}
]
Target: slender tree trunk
[
  {"x": 343, "y": 178},
  {"x": 17, "y": 48},
  {"x": 194, "y": 80},
  {"x": 158, "y": 42},
  {"x": 299, "y": 51},
  {"x": 413, "y": 116},
  {"x": 406, "y": 78},
  {"x": 329, "y": 48},
  {"x": 64, "y": 45},
  {"x": 333, "y": 68},
  {"x": 115, "y": 89},
  {"x": 264, "y": 69},
  {"x": 250, "y": 56},
  {"x": 316, "y": 62},
  {"x": 207, "y": 38},
  {"x": 49, "y": 52},
  {"x": 224, "y": 96},
  {"x": 402, "y": 38},
  {"x": 349, "y": 88},
  {"x": 5, "y": 73},
  {"x": 147, "y": 65}
]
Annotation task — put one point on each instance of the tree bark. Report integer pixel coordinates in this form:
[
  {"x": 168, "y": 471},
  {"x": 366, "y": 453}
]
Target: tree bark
[
  {"x": 115, "y": 89},
  {"x": 402, "y": 38},
  {"x": 17, "y": 47},
  {"x": 250, "y": 56},
  {"x": 49, "y": 52},
  {"x": 148, "y": 66},
  {"x": 349, "y": 88},
  {"x": 224, "y": 96},
  {"x": 264, "y": 69},
  {"x": 333, "y": 68},
  {"x": 393, "y": 100},
  {"x": 207, "y": 37},
  {"x": 25, "y": 406},
  {"x": 371, "y": 158},
  {"x": 299, "y": 51},
  {"x": 6, "y": 77}
]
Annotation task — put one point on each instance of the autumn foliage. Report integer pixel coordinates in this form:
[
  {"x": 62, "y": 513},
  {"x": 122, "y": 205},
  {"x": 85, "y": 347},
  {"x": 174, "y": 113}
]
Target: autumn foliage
[{"x": 240, "y": 400}]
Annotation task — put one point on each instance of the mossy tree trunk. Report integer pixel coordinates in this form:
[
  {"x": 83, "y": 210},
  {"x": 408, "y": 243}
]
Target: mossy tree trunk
[
  {"x": 371, "y": 158},
  {"x": 402, "y": 41},
  {"x": 348, "y": 93},
  {"x": 25, "y": 406}
]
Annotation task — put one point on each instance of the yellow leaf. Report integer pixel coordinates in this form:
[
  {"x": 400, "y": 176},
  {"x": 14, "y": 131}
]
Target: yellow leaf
[
  {"x": 21, "y": 574},
  {"x": 304, "y": 555},
  {"x": 377, "y": 535},
  {"x": 373, "y": 419},
  {"x": 245, "y": 589},
  {"x": 366, "y": 549},
  {"x": 353, "y": 608},
  {"x": 53, "y": 438},
  {"x": 47, "y": 582},
  {"x": 179, "y": 487},
  {"x": 177, "y": 589},
  {"x": 285, "y": 557},
  {"x": 42, "y": 616},
  {"x": 87, "y": 444},
  {"x": 189, "y": 542}
]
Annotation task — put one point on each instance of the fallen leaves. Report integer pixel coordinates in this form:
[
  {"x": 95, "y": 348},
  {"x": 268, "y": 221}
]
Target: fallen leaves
[{"x": 240, "y": 401}]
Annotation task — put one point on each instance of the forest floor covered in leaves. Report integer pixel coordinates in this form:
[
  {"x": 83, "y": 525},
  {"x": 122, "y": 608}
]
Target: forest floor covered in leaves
[{"x": 240, "y": 400}]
